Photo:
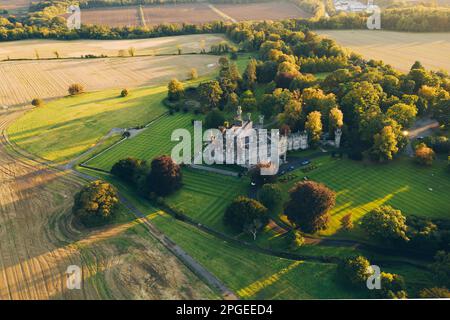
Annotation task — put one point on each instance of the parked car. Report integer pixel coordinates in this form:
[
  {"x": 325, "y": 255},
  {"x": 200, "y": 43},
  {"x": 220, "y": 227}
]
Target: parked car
[{"x": 305, "y": 162}]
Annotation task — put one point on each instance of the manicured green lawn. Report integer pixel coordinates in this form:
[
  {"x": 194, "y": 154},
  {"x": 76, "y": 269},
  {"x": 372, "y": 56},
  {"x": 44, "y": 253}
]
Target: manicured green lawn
[
  {"x": 361, "y": 187},
  {"x": 205, "y": 196},
  {"x": 150, "y": 143},
  {"x": 254, "y": 275},
  {"x": 67, "y": 127}
]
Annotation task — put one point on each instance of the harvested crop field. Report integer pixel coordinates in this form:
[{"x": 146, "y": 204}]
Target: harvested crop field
[
  {"x": 262, "y": 11},
  {"x": 113, "y": 17},
  {"x": 25, "y": 80},
  {"x": 399, "y": 49},
  {"x": 193, "y": 13},
  {"x": 27, "y": 49},
  {"x": 12, "y": 5},
  {"x": 39, "y": 241}
]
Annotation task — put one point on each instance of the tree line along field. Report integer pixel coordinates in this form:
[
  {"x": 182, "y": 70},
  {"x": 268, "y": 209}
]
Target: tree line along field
[
  {"x": 191, "y": 13},
  {"x": 399, "y": 49},
  {"x": 45, "y": 49}
]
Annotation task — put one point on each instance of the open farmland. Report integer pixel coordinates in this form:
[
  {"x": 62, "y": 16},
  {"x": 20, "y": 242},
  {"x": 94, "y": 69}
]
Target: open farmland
[
  {"x": 38, "y": 241},
  {"x": 262, "y": 11},
  {"x": 15, "y": 5},
  {"x": 191, "y": 13},
  {"x": 24, "y": 80},
  {"x": 27, "y": 49},
  {"x": 399, "y": 49},
  {"x": 81, "y": 121}
]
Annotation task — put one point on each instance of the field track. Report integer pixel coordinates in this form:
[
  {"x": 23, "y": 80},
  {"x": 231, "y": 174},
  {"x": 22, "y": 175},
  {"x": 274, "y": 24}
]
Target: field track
[
  {"x": 25, "y": 80},
  {"x": 38, "y": 242},
  {"x": 399, "y": 49}
]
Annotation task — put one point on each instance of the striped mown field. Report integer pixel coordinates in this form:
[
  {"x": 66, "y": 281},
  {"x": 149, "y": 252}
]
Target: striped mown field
[
  {"x": 361, "y": 187},
  {"x": 150, "y": 143},
  {"x": 205, "y": 196}
]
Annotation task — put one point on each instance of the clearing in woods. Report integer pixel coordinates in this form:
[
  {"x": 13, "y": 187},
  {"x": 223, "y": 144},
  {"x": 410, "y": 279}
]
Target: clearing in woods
[
  {"x": 38, "y": 241},
  {"x": 399, "y": 49}
]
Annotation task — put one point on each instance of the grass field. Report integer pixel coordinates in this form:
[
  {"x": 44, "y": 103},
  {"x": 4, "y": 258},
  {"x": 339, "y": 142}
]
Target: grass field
[
  {"x": 254, "y": 275},
  {"x": 399, "y": 49},
  {"x": 402, "y": 184},
  {"x": 26, "y": 49},
  {"x": 152, "y": 142},
  {"x": 205, "y": 196},
  {"x": 82, "y": 120}
]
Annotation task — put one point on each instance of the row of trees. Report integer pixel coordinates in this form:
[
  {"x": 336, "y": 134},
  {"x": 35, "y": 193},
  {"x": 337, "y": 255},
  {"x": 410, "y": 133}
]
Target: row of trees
[
  {"x": 307, "y": 208},
  {"x": 161, "y": 178},
  {"x": 412, "y": 19}
]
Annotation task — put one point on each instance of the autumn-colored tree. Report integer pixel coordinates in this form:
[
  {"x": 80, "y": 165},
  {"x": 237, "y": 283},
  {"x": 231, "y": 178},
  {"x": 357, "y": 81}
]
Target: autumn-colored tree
[
  {"x": 124, "y": 93},
  {"x": 385, "y": 144},
  {"x": 313, "y": 126},
  {"x": 309, "y": 205},
  {"x": 292, "y": 114},
  {"x": 76, "y": 88},
  {"x": 193, "y": 74},
  {"x": 296, "y": 239},
  {"x": 434, "y": 293},
  {"x": 37, "y": 102},
  {"x": 175, "y": 90},
  {"x": 404, "y": 114},
  {"x": 249, "y": 76},
  {"x": 210, "y": 93},
  {"x": 424, "y": 155},
  {"x": 347, "y": 222},
  {"x": 385, "y": 223},
  {"x": 356, "y": 270},
  {"x": 336, "y": 119},
  {"x": 96, "y": 203}
]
